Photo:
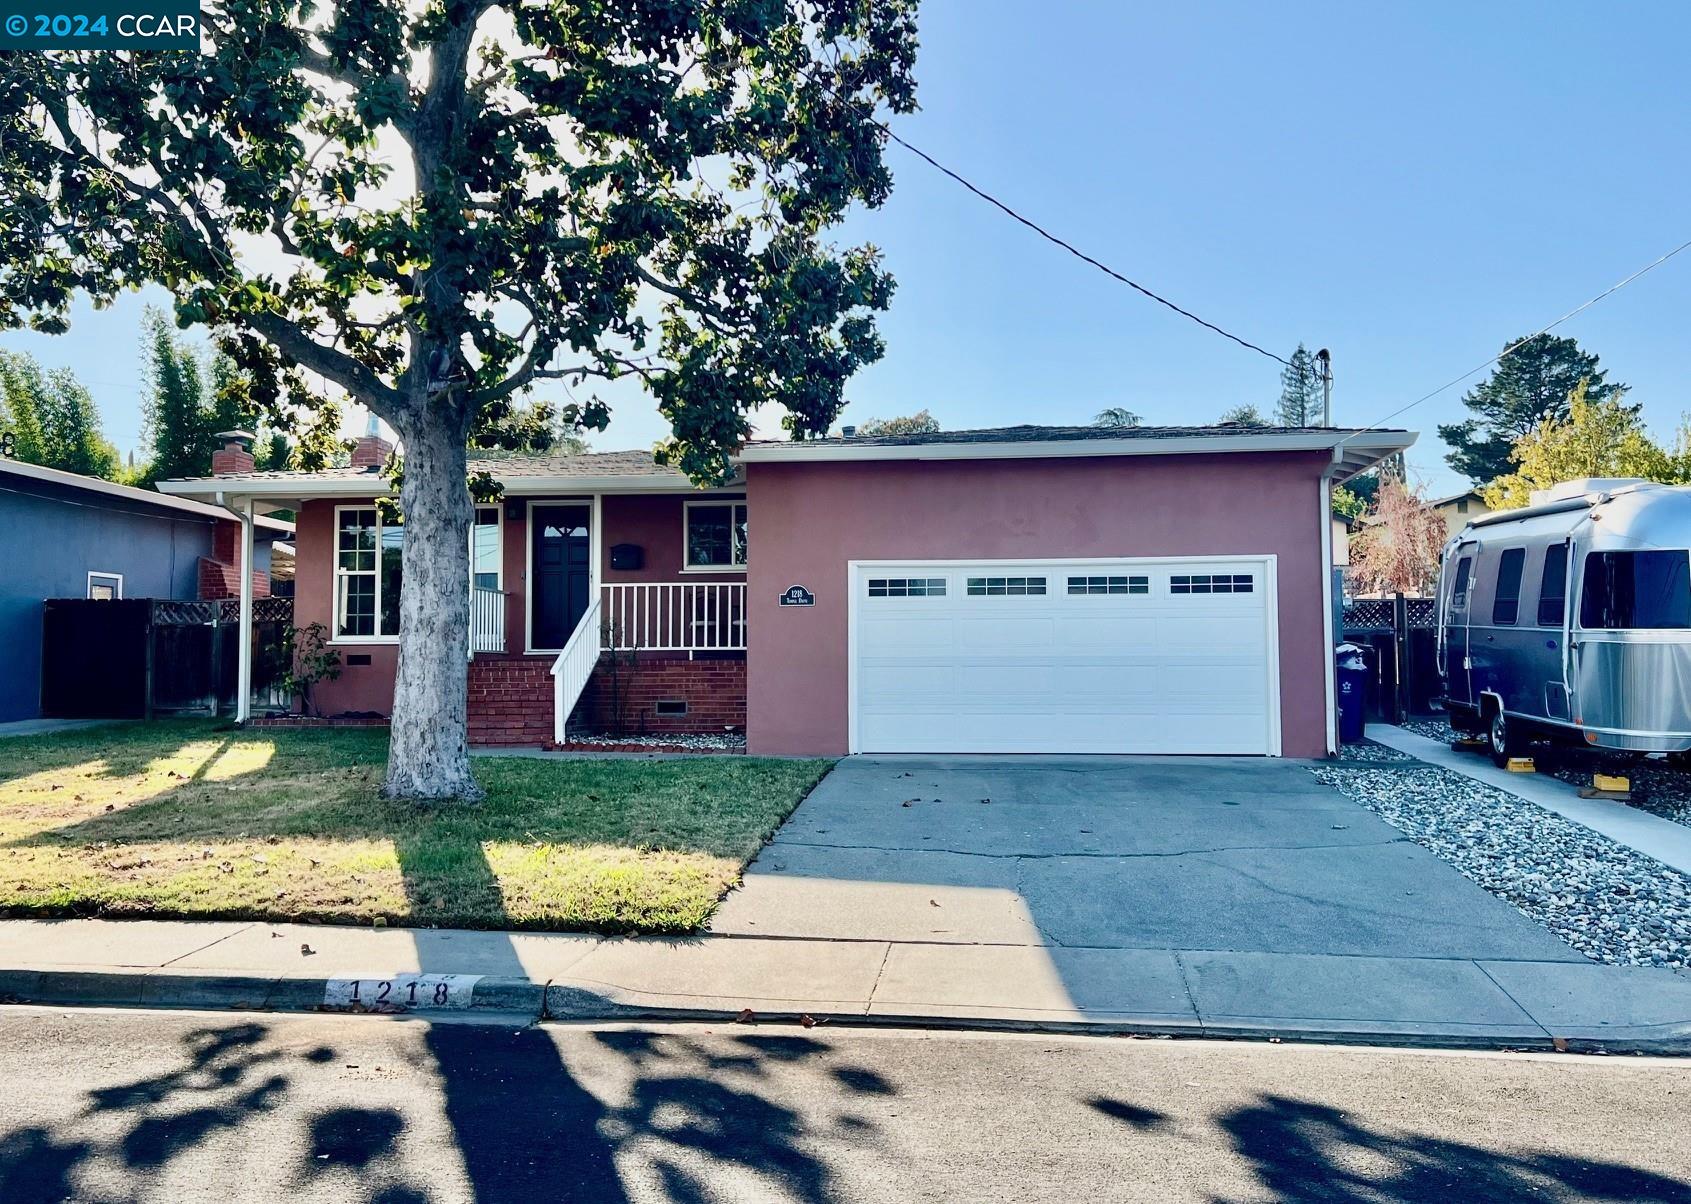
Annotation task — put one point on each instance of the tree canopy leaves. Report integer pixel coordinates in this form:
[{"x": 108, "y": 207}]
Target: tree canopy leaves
[
  {"x": 53, "y": 419},
  {"x": 919, "y": 423},
  {"x": 1529, "y": 385},
  {"x": 1595, "y": 439},
  {"x": 435, "y": 208}
]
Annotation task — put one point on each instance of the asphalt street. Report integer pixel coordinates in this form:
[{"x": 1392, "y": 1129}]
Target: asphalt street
[{"x": 184, "y": 1107}]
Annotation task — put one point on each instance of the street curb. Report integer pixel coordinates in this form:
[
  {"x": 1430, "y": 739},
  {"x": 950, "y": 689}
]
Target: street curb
[
  {"x": 164, "y": 988},
  {"x": 576, "y": 1004}
]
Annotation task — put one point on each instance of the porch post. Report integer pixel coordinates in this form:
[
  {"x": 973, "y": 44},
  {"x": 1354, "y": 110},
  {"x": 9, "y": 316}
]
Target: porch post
[{"x": 243, "y": 673}]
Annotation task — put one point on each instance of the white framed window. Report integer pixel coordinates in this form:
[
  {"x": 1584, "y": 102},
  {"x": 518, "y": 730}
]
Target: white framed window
[
  {"x": 487, "y": 559},
  {"x": 1000, "y": 587},
  {"x": 714, "y": 537},
  {"x": 1212, "y": 583},
  {"x": 368, "y": 569},
  {"x": 1125, "y": 584},
  {"x": 105, "y": 587}
]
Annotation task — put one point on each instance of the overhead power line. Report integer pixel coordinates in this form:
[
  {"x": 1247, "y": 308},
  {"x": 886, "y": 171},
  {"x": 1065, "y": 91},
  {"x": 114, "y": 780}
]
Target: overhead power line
[
  {"x": 1518, "y": 344},
  {"x": 1077, "y": 252}
]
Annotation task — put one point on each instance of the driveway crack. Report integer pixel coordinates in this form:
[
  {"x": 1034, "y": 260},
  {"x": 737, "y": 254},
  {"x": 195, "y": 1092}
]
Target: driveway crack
[{"x": 1112, "y": 856}]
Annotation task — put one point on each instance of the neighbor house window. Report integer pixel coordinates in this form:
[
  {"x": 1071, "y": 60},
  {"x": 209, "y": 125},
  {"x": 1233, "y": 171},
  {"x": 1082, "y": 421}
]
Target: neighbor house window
[
  {"x": 716, "y": 536},
  {"x": 368, "y": 554},
  {"x": 1636, "y": 589},
  {"x": 484, "y": 549},
  {"x": 1506, "y": 606},
  {"x": 105, "y": 587}
]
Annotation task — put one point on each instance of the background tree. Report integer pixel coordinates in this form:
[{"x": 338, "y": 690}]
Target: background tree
[
  {"x": 1528, "y": 386},
  {"x": 919, "y": 423},
  {"x": 1595, "y": 439},
  {"x": 1243, "y": 415},
  {"x": 1300, "y": 391},
  {"x": 1397, "y": 550},
  {"x": 54, "y": 419},
  {"x": 1348, "y": 503},
  {"x": 1116, "y": 416},
  {"x": 435, "y": 206}
]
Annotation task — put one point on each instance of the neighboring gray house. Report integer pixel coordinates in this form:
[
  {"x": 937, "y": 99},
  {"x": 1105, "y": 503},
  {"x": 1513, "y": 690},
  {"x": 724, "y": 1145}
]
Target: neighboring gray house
[{"x": 63, "y": 535}]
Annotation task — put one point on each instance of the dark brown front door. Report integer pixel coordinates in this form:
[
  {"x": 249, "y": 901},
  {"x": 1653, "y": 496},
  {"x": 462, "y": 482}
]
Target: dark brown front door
[{"x": 562, "y": 572}]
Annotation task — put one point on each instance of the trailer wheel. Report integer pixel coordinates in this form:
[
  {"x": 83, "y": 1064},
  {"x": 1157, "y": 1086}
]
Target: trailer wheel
[{"x": 1503, "y": 739}]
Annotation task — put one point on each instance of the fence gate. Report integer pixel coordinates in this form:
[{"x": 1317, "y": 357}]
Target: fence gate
[
  {"x": 137, "y": 658},
  {"x": 1399, "y": 634}
]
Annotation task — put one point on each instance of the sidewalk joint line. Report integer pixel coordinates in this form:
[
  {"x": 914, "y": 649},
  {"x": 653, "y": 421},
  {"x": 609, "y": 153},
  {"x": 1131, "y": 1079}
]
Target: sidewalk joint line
[
  {"x": 209, "y": 944},
  {"x": 1524, "y": 1010}
]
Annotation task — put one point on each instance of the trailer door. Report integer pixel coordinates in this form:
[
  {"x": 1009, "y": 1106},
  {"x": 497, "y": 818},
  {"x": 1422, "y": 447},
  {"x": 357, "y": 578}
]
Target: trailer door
[{"x": 1459, "y": 585}]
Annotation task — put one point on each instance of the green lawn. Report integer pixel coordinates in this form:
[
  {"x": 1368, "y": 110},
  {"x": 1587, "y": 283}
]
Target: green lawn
[{"x": 190, "y": 819}]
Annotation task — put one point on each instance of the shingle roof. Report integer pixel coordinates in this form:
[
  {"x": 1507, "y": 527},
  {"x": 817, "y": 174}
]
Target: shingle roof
[
  {"x": 506, "y": 467},
  {"x": 1054, "y": 434}
]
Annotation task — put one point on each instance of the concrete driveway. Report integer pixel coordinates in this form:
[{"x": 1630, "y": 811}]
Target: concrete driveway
[{"x": 1246, "y": 856}]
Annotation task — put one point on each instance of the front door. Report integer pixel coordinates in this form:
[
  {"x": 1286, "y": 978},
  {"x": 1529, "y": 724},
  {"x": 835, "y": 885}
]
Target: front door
[{"x": 562, "y": 572}]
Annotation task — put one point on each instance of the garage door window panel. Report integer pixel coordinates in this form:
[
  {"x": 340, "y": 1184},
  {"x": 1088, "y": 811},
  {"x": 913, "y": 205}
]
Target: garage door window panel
[
  {"x": 907, "y": 587},
  {"x": 1131, "y": 584},
  {"x": 1005, "y": 587},
  {"x": 1211, "y": 583}
]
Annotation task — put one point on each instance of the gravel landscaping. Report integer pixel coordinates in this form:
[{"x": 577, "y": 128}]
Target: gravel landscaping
[
  {"x": 717, "y": 742},
  {"x": 1657, "y": 787},
  {"x": 1609, "y": 902},
  {"x": 1367, "y": 750}
]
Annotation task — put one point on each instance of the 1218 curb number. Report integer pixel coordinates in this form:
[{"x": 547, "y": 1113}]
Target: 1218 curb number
[{"x": 401, "y": 992}]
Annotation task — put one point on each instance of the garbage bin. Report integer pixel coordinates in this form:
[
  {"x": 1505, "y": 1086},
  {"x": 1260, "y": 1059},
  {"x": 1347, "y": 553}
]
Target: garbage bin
[{"x": 1352, "y": 672}]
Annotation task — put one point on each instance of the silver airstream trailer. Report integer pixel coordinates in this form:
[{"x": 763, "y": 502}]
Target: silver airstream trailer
[{"x": 1570, "y": 620}]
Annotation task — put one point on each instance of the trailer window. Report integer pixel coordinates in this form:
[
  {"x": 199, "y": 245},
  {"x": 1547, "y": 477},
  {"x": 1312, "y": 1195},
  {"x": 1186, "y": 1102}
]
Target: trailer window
[
  {"x": 1553, "y": 586},
  {"x": 1636, "y": 589},
  {"x": 1506, "y": 606},
  {"x": 1459, "y": 587}
]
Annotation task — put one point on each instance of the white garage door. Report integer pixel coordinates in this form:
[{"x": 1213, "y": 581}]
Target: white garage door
[{"x": 1130, "y": 656}]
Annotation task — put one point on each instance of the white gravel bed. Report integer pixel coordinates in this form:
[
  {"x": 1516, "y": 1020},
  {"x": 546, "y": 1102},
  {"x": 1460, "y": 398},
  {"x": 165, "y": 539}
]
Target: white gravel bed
[
  {"x": 1612, "y": 904},
  {"x": 713, "y": 742},
  {"x": 1657, "y": 787},
  {"x": 1367, "y": 750}
]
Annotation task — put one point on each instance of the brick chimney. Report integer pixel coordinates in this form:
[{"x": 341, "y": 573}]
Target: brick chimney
[
  {"x": 371, "y": 450},
  {"x": 235, "y": 455}
]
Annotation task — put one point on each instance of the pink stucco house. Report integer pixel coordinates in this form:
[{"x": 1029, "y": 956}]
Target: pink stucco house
[{"x": 1026, "y": 589}]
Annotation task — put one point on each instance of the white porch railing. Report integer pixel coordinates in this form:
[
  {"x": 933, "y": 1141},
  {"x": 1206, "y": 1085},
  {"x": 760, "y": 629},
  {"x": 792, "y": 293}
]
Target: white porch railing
[
  {"x": 487, "y": 620},
  {"x": 675, "y": 616},
  {"x": 573, "y": 668}
]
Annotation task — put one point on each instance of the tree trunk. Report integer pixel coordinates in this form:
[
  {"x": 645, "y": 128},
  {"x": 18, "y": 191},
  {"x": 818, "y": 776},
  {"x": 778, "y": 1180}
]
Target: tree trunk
[{"x": 429, "y": 757}]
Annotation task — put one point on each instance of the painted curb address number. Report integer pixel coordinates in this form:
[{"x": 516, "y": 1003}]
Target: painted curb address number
[{"x": 401, "y": 992}]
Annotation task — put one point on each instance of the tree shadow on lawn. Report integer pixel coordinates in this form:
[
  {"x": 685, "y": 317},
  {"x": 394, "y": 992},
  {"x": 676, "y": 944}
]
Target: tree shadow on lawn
[{"x": 585, "y": 828}]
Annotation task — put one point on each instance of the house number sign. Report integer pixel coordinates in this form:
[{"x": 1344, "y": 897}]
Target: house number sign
[
  {"x": 798, "y": 595},
  {"x": 400, "y": 992}
]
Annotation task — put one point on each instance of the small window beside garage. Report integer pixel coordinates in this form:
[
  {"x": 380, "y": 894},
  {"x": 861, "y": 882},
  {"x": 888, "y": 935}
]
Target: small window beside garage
[
  {"x": 907, "y": 587},
  {"x": 1110, "y": 585},
  {"x": 993, "y": 587},
  {"x": 1506, "y": 605},
  {"x": 1212, "y": 583}
]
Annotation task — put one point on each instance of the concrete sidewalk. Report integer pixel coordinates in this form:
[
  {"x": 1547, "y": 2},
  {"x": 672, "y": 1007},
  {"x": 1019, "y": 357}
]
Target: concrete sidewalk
[{"x": 1393, "y": 1000}]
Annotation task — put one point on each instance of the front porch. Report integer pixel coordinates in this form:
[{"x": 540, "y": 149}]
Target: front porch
[{"x": 621, "y": 613}]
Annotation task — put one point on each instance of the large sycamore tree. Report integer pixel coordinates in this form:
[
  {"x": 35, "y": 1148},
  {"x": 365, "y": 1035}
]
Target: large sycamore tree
[{"x": 436, "y": 206}]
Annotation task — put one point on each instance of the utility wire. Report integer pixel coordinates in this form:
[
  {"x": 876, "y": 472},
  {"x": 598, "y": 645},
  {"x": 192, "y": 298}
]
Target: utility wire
[
  {"x": 1516, "y": 346},
  {"x": 1075, "y": 251}
]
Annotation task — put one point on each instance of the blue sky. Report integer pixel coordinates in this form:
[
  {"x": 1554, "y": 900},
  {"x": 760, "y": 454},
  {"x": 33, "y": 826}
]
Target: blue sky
[{"x": 1409, "y": 188}]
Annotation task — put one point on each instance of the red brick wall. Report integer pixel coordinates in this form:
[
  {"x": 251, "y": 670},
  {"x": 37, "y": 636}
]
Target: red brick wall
[
  {"x": 220, "y": 573},
  {"x": 714, "y": 691},
  {"x": 226, "y": 460},
  {"x": 511, "y": 700}
]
